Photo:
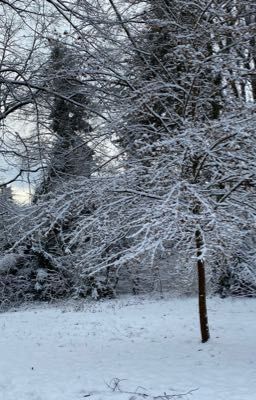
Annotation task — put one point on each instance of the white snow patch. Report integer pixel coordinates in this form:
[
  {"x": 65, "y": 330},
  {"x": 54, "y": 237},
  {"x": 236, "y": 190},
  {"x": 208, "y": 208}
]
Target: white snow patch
[
  {"x": 7, "y": 262},
  {"x": 153, "y": 346}
]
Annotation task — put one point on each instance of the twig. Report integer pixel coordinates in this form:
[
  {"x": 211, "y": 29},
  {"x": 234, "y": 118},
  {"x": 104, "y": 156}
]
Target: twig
[{"x": 114, "y": 385}]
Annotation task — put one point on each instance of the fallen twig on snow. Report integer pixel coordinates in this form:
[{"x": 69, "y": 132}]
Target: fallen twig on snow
[{"x": 114, "y": 385}]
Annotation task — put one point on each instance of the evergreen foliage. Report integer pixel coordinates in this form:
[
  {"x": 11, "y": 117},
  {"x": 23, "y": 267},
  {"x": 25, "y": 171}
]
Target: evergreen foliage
[{"x": 70, "y": 155}]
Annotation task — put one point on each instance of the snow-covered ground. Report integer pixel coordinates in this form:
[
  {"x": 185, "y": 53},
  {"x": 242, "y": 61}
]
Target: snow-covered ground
[{"x": 151, "y": 346}]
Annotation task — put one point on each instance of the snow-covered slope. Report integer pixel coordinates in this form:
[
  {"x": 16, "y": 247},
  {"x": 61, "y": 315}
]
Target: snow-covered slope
[{"x": 151, "y": 346}]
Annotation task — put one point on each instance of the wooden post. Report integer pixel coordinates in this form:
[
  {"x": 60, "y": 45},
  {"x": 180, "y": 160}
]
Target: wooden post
[{"x": 205, "y": 334}]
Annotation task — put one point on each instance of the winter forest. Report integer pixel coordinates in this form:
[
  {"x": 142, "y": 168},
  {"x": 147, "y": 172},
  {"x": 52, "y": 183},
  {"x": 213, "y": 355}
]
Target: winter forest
[
  {"x": 127, "y": 199},
  {"x": 129, "y": 126}
]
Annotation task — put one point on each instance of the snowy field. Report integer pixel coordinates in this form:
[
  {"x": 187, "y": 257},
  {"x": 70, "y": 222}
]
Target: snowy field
[{"x": 151, "y": 346}]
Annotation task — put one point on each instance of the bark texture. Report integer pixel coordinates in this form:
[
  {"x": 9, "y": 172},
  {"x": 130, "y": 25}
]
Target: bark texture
[{"x": 205, "y": 333}]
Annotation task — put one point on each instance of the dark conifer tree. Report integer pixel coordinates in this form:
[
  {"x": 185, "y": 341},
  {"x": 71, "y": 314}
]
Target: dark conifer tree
[
  {"x": 172, "y": 81},
  {"x": 70, "y": 155}
]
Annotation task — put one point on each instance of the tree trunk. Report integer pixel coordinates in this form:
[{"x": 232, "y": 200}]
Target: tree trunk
[{"x": 205, "y": 334}]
